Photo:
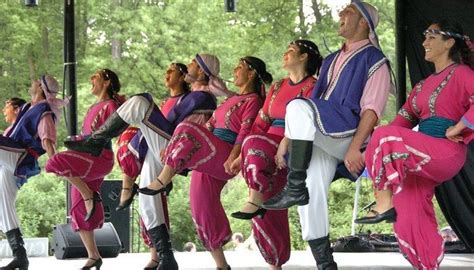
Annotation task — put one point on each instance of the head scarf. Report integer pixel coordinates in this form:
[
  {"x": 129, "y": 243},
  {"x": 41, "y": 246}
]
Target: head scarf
[
  {"x": 371, "y": 15},
  {"x": 211, "y": 66},
  {"x": 50, "y": 87}
]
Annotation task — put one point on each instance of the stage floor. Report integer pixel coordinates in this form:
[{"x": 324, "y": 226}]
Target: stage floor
[{"x": 248, "y": 260}]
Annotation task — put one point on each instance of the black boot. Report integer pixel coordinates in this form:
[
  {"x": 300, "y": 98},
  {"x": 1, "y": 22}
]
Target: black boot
[
  {"x": 20, "y": 261},
  {"x": 99, "y": 139},
  {"x": 322, "y": 253},
  {"x": 161, "y": 240},
  {"x": 295, "y": 191}
]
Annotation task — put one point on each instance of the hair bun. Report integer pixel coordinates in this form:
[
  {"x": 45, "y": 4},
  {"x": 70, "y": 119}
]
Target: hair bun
[{"x": 267, "y": 77}]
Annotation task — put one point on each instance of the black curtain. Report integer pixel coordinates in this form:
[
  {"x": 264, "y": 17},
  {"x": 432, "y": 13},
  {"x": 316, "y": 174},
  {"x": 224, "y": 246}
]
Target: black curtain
[{"x": 456, "y": 197}]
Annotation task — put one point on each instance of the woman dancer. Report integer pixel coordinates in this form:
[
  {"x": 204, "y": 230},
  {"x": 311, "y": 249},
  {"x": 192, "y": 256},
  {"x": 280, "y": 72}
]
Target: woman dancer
[
  {"x": 133, "y": 148},
  {"x": 157, "y": 129},
  {"x": 404, "y": 164},
  {"x": 81, "y": 170},
  {"x": 200, "y": 148},
  {"x": 264, "y": 177}
]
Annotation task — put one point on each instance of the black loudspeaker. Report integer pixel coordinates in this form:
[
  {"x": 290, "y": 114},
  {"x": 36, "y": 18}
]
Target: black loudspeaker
[
  {"x": 31, "y": 3},
  {"x": 110, "y": 192},
  {"x": 229, "y": 5},
  {"x": 67, "y": 243}
]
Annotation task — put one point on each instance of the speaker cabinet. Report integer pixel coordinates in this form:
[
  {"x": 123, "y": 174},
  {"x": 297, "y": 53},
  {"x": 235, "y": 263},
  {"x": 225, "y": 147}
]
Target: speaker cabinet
[
  {"x": 67, "y": 243},
  {"x": 110, "y": 192}
]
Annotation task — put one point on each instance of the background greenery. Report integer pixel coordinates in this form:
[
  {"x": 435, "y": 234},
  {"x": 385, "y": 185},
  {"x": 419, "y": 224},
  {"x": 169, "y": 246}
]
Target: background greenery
[{"x": 139, "y": 39}]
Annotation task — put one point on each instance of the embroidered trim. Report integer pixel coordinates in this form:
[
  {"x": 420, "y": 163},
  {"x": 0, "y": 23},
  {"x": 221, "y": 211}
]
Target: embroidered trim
[
  {"x": 391, "y": 157},
  {"x": 319, "y": 123},
  {"x": 418, "y": 258},
  {"x": 375, "y": 67},
  {"x": 196, "y": 146},
  {"x": 101, "y": 112},
  {"x": 413, "y": 100},
  {"x": 405, "y": 114},
  {"x": 203, "y": 111},
  {"x": 274, "y": 259},
  {"x": 264, "y": 116},
  {"x": 147, "y": 123},
  {"x": 233, "y": 109},
  {"x": 270, "y": 141},
  {"x": 437, "y": 91},
  {"x": 333, "y": 83},
  {"x": 276, "y": 89}
]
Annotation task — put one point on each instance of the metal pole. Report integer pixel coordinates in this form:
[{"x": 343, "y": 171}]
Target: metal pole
[
  {"x": 400, "y": 49},
  {"x": 70, "y": 76},
  {"x": 355, "y": 209}
]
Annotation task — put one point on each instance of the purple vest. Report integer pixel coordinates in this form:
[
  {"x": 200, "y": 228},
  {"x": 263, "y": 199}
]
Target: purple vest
[
  {"x": 23, "y": 138},
  {"x": 336, "y": 103}
]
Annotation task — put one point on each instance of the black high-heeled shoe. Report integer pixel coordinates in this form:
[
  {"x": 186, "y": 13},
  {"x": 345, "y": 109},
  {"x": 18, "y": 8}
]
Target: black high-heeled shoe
[
  {"x": 164, "y": 189},
  {"x": 389, "y": 216},
  {"x": 220, "y": 268},
  {"x": 97, "y": 264},
  {"x": 243, "y": 215},
  {"x": 153, "y": 267},
  {"x": 95, "y": 198},
  {"x": 125, "y": 204}
]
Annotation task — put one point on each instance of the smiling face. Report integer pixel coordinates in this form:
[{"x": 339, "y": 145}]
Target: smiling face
[
  {"x": 99, "y": 83},
  {"x": 10, "y": 112},
  {"x": 436, "y": 47},
  {"x": 349, "y": 20},
  {"x": 242, "y": 74}
]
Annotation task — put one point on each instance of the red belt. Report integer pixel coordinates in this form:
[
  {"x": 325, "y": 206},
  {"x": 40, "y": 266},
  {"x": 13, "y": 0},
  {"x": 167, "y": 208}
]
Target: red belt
[{"x": 32, "y": 152}]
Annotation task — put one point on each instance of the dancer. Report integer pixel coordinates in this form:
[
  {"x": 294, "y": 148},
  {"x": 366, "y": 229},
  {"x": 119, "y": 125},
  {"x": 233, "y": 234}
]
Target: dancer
[
  {"x": 333, "y": 125},
  {"x": 406, "y": 165},
  {"x": 11, "y": 110},
  {"x": 86, "y": 172},
  {"x": 302, "y": 60},
  {"x": 140, "y": 111},
  {"x": 32, "y": 134},
  {"x": 201, "y": 148},
  {"x": 133, "y": 148}
]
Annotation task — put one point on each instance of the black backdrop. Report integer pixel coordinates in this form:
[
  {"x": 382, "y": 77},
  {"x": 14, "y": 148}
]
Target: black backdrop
[{"x": 456, "y": 197}]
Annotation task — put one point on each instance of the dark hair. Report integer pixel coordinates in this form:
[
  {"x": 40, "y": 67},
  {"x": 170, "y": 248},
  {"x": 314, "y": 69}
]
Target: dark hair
[
  {"x": 315, "y": 60},
  {"x": 16, "y": 102},
  {"x": 460, "y": 52},
  {"x": 183, "y": 69},
  {"x": 263, "y": 76},
  {"x": 114, "y": 86}
]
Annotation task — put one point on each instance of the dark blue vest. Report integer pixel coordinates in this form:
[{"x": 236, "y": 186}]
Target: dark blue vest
[
  {"x": 337, "y": 104},
  {"x": 138, "y": 146},
  {"x": 190, "y": 103},
  {"x": 24, "y": 136}
]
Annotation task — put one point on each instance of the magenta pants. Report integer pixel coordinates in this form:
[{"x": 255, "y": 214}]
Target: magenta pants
[
  {"x": 194, "y": 147},
  {"x": 207, "y": 211},
  {"x": 92, "y": 171},
  {"x": 406, "y": 162},
  {"x": 272, "y": 233}
]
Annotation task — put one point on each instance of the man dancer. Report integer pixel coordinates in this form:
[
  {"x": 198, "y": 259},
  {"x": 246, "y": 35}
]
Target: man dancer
[
  {"x": 334, "y": 124},
  {"x": 32, "y": 134}
]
